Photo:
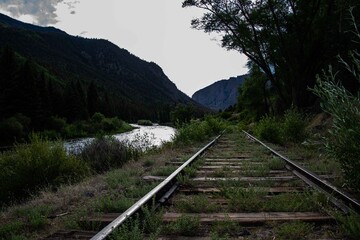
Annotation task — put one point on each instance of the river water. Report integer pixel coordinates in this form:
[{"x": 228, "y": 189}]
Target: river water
[{"x": 143, "y": 137}]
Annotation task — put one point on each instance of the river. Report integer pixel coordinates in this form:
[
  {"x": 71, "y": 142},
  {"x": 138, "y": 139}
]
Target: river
[{"x": 143, "y": 137}]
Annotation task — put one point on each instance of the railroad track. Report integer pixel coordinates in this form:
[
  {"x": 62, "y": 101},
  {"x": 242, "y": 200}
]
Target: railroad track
[{"x": 235, "y": 187}]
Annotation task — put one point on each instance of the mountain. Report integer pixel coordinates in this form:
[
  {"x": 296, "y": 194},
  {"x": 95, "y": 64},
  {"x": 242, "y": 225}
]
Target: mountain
[
  {"x": 221, "y": 94},
  {"x": 140, "y": 84}
]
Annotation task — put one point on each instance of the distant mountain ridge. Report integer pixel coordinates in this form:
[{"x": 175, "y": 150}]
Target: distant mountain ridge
[
  {"x": 221, "y": 94},
  {"x": 143, "y": 84}
]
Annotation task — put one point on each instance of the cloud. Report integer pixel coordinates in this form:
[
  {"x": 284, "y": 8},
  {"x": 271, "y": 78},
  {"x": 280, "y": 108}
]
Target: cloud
[{"x": 44, "y": 11}]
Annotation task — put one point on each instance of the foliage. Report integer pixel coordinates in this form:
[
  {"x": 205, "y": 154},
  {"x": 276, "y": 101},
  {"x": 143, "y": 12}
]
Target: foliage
[
  {"x": 199, "y": 130},
  {"x": 293, "y": 126},
  {"x": 105, "y": 153},
  {"x": 253, "y": 99},
  {"x": 350, "y": 224},
  {"x": 281, "y": 37},
  {"x": 58, "y": 105},
  {"x": 293, "y": 230},
  {"x": 268, "y": 128},
  {"x": 289, "y": 128},
  {"x": 145, "y": 122},
  {"x": 182, "y": 114},
  {"x": 9, "y": 229},
  {"x": 344, "y": 140},
  {"x": 36, "y": 165},
  {"x": 112, "y": 204},
  {"x": 185, "y": 225},
  {"x": 196, "y": 204},
  {"x": 132, "y": 230}
]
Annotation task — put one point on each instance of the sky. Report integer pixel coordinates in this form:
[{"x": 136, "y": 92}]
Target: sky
[{"x": 154, "y": 30}]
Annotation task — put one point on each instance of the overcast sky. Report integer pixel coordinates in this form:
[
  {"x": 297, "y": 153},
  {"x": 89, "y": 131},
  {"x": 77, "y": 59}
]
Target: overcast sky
[{"x": 154, "y": 30}]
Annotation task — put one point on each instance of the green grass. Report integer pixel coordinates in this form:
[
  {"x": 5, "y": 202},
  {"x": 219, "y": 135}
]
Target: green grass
[
  {"x": 34, "y": 218},
  {"x": 164, "y": 171},
  {"x": 31, "y": 167},
  {"x": 276, "y": 163},
  {"x": 350, "y": 224},
  {"x": 195, "y": 204},
  {"x": 115, "y": 203},
  {"x": 9, "y": 229},
  {"x": 185, "y": 225},
  {"x": 119, "y": 179},
  {"x": 225, "y": 229},
  {"x": 251, "y": 199},
  {"x": 293, "y": 230}
]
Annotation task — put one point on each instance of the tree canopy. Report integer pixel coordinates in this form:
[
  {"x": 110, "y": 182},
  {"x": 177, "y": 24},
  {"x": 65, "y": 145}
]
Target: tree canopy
[{"x": 289, "y": 40}]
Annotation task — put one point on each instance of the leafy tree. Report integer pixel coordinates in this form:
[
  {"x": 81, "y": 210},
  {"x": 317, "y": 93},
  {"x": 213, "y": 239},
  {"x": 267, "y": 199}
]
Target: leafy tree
[
  {"x": 253, "y": 99},
  {"x": 92, "y": 99},
  {"x": 8, "y": 69},
  {"x": 289, "y": 40},
  {"x": 26, "y": 98},
  {"x": 182, "y": 114}
]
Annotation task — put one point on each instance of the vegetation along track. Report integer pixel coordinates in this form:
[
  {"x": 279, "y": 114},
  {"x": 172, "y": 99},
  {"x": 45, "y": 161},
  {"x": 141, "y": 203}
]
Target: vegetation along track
[{"x": 233, "y": 188}]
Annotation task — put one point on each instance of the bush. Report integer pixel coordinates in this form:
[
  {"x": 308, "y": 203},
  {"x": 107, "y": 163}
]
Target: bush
[
  {"x": 344, "y": 140},
  {"x": 97, "y": 117},
  {"x": 105, "y": 153},
  {"x": 293, "y": 126},
  {"x": 57, "y": 124},
  {"x": 199, "y": 130},
  {"x": 28, "y": 168},
  {"x": 145, "y": 122},
  {"x": 269, "y": 128},
  {"x": 11, "y": 129}
]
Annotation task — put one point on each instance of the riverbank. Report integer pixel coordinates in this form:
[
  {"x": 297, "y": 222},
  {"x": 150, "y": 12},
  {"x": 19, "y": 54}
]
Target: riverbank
[{"x": 114, "y": 190}]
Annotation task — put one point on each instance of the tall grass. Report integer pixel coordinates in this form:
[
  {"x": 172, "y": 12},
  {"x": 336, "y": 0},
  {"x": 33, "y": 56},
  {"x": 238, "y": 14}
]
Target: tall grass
[
  {"x": 31, "y": 167},
  {"x": 344, "y": 140}
]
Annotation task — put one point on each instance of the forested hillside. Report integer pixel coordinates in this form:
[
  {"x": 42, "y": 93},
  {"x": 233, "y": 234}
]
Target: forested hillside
[{"x": 46, "y": 74}]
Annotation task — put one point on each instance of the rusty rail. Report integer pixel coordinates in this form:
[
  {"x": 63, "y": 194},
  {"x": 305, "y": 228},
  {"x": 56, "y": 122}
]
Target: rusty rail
[{"x": 315, "y": 181}]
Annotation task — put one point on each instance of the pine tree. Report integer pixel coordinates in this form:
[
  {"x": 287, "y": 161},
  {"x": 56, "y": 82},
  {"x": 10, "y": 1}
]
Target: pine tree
[{"x": 92, "y": 99}]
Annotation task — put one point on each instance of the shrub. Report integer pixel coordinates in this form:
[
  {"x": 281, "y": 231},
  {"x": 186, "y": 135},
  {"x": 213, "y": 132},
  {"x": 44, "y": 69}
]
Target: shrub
[
  {"x": 56, "y": 123},
  {"x": 294, "y": 126},
  {"x": 145, "y": 122},
  {"x": 11, "y": 129},
  {"x": 198, "y": 130},
  {"x": 30, "y": 167},
  {"x": 105, "y": 153},
  {"x": 269, "y": 128},
  {"x": 97, "y": 117},
  {"x": 344, "y": 140}
]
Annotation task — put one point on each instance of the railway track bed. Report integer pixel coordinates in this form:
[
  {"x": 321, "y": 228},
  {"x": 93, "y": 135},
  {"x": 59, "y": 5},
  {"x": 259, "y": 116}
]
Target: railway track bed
[{"x": 237, "y": 189}]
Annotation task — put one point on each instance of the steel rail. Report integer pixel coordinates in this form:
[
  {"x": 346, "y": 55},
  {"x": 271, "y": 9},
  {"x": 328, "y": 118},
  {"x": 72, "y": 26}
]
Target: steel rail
[
  {"x": 312, "y": 179},
  {"x": 106, "y": 231}
]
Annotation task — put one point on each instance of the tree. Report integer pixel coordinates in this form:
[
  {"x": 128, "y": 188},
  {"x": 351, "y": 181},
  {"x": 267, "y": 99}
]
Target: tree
[
  {"x": 8, "y": 69},
  {"x": 92, "y": 99},
  {"x": 253, "y": 99},
  {"x": 289, "y": 40}
]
